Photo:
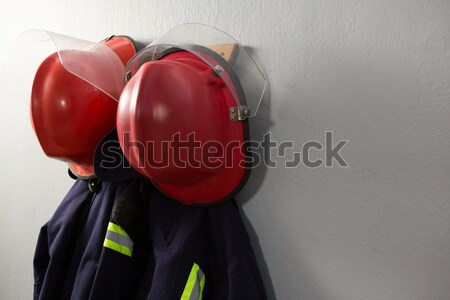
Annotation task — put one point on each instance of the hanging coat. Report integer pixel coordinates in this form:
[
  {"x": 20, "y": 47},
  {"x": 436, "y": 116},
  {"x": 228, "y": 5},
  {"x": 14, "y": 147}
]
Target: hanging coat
[{"x": 125, "y": 240}]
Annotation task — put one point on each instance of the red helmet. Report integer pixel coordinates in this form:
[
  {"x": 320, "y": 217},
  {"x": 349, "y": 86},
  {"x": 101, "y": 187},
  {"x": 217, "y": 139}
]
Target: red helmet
[
  {"x": 74, "y": 99},
  {"x": 182, "y": 116}
]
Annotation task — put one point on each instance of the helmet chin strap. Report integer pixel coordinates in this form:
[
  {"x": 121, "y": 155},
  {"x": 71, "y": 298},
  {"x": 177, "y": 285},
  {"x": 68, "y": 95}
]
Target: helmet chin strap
[
  {"x": 71, "y": 174},
  {"x": 81, "y": 172},
  {"x": 94, "y": 184}
]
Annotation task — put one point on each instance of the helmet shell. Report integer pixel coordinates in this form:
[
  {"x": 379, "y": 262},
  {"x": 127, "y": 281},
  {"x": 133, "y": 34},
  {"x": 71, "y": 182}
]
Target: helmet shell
[
  {"x": 71, "y": 115},
  {"x": 174, "y": 127}
]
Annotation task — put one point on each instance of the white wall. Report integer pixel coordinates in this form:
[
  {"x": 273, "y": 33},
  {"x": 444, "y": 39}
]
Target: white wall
[{"x": 377, "y": 73}]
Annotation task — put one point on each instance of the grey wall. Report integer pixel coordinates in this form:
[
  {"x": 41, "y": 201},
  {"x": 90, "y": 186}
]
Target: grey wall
[{"x": 376, "y": 73}]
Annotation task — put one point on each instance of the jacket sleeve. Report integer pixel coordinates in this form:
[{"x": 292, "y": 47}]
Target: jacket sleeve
[
  {"x": 233, "y": 270},
  {"x": 40, "y": 261}
]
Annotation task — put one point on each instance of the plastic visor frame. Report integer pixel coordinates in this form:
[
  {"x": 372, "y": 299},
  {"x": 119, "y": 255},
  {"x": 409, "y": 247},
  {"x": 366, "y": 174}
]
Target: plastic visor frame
[
  {"x": 192, "y": 38},
  {"x": 33, "y": 46}
]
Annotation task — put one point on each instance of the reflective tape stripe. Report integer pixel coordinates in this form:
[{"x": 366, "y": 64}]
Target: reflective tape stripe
[
  {"x": 118, "y": 240},
  {"x": 119, "y": 248},
  {"x": 117, "y": 229},
  {"x": 194, "y": 285},
  {"x": 202, "y": 285}
]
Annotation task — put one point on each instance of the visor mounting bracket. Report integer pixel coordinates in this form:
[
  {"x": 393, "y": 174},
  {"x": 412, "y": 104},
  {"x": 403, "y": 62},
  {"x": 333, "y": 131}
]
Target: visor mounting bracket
[
  {"x": 128, "y": 76},
  {"x": 239, "y": 113},
  {"x": 217, "y": 71}
]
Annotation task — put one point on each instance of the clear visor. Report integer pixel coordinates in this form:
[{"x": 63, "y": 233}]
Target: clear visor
[
  {"x": 81, "y": 58},
  {"x": 231, "y": 62}
]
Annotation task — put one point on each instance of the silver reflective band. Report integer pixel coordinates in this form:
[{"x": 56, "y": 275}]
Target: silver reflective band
[
  {"x": 194, "y": 285},
  {"x": 118, "y": 240}
]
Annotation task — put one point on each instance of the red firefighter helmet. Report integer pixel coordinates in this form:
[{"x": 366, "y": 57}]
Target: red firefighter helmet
[
  {"x": 74, "y": 91},
  {"x": 182, "y": 116}
]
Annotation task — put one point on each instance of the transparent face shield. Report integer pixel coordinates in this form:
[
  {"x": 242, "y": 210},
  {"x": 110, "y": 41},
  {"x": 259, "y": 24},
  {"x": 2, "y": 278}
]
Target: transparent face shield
[
  {"x": 77, "y": 56},
  {"x": 230, "y": 60},
  {"x": 97, "y": 66}
]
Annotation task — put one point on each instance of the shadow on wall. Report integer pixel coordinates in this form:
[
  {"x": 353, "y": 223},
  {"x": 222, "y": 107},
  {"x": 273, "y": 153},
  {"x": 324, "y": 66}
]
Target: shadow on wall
[{"x": 259, "y": 125}]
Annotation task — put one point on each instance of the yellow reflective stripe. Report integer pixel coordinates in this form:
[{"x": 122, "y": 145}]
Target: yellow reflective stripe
[
  {"x": 202, "y": 286},
  {"x": 117, "y": 247},
  {"x": 190, "y": 283},
  {"x": 117, "y": 229},
  {"x": 118, "y": 240},
  {"x": 194, "y": 285}
]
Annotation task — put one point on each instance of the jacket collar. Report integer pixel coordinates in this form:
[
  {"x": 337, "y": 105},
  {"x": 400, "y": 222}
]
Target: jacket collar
[{"x": 110, "y": 163}]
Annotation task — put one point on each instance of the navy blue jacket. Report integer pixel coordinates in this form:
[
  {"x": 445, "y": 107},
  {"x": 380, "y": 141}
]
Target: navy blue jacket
[{"x": 128, "y": 241}]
